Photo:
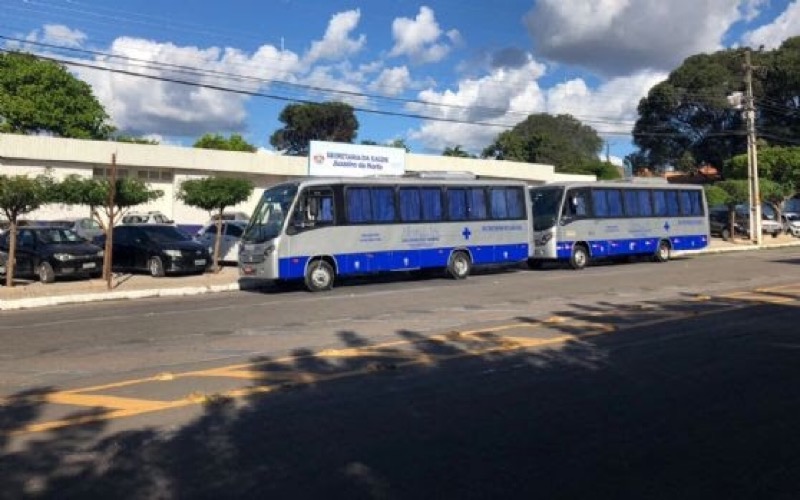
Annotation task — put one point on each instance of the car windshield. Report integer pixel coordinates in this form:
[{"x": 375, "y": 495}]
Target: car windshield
[
  {"x": 58, "y": 235},
  {"x": 792, "y": 217},
  {"x": 270, "y": 214},
  {"x": 546, "y": 202},
  {"x": 165, "y": 234}
]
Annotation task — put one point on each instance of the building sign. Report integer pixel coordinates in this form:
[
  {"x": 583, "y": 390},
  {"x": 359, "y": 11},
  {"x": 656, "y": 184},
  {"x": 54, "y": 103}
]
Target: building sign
[{"x": 339, "y": 159}]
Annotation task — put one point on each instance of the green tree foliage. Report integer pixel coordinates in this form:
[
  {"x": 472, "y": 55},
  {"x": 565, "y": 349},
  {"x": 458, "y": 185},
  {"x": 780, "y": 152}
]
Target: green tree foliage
[
  {"x": 715, "y": 195},
  {"x": 399, "y": 143},
  {"x": 134, "y": 140},
  {"x": 560, "y": 140},
  {"x": 215, "y": 194},
  {"x": 328, "y": 121},
  {"x": 20, "y": 195},
  {"x": 457, "y": 152},
  {"x": 233, "y": 143},
  {"x": 690, "y": 111},
  {"x": 781, "y": 165},
  {"x": 603, "y": 170},
  {"x": 39, "y": 96},
  {"x": 107, "y": 202}
]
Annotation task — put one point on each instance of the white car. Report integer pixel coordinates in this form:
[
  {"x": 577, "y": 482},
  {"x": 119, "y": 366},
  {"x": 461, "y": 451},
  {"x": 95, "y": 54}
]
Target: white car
[
  {"x": 145, "y": 218},
  {"x": 791, "y": 223},
  {"x": 232, "y": 231}
]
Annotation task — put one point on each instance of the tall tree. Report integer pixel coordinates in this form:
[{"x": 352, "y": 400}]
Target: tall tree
[
  {"x": 40, "y": 96},
  {"x": 457, "y": 152},
  {"x": 559, "y": 140},
  {"x": 399, "y": 143},
  {"x": 20, "y": 195},
  {"x": 216, "y": 141},
  {"x": 215, "y": 194},
  {"x": 690, "y": 111},
  {"x": 328, "y": 121}
]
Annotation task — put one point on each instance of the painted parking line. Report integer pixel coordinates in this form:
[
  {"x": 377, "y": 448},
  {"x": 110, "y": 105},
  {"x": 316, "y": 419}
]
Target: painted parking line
[{"x": 285, "y": 372}]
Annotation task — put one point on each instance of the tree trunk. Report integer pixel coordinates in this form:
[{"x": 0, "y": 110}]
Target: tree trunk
[
  {"x": 218, "y": 242},
  {"x": 12, "y": 252},
  {"x": 107, "y": 251}
]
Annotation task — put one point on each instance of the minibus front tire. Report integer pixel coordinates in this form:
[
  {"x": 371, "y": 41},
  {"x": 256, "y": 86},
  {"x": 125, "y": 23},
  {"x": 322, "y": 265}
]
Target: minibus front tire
[
  {"x": 319, "y": 276},
  {"x": 580, "y": 257}
]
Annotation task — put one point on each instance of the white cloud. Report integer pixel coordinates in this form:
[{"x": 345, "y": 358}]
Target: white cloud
[
  {"x": 617, "y": 37},
  {"x": 337, "y": 44},
  {"x": 508, "y": 94},
  {"x": 58, "y": 34},
  {"x": 421, "y": 39},
  {"x": 391, "y": 81},
  {"x": 610, "y": 108},
  {"x": 155, "y": 106},
  {"x": 752, "y": 8},
  {"x": 772, "y": 35},
  {"x": 503, "y": 97}
]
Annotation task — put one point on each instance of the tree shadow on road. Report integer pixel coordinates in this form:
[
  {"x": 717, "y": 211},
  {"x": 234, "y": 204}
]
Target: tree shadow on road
[{"x": 648, "y": 400}]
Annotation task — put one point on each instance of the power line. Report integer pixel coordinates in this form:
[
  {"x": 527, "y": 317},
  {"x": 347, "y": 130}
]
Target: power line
[{"x": 193, "y": 71}]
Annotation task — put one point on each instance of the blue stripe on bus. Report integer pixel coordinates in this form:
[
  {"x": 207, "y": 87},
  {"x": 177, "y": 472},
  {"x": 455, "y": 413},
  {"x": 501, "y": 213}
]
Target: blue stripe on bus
[
  {"x": 396, "y": 260},
  {"x": 635, "y": 246}
]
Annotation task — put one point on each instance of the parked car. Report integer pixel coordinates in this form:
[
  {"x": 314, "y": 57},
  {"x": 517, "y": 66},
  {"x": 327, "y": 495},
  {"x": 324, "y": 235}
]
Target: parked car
[
  {"x": 231, "y": 216},
  {"x": 791, "y": 223},
  {"x": 719, "y": 224},
  {"x": 157, "y": 248},
  {"x": 231, "y": 235},
  {"x": 153, "y": 217},
  {"x": 86, "y": 227},
  {"x": 51, "y": 252}
]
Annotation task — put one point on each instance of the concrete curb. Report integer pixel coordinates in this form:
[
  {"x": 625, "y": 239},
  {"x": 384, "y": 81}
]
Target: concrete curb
[
  {"x": 34, "y": 302},
  {"x": 744, "y": 247}
]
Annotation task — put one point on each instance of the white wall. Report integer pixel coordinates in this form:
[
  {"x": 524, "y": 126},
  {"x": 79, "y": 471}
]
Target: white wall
[{"x": 33, "y": 155}]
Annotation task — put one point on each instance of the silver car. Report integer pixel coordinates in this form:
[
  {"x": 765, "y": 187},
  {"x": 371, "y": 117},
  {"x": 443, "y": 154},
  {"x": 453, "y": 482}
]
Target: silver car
[
  {"x": 231, "y": 234},
  {"x": 791, "y": 223}
]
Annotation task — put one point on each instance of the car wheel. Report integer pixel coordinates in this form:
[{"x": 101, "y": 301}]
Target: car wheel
[
  {"x": 46, "y": 273},
  {"x": 156, "y": 267},
  {"x": 580, "y": 257},
  {"x": 726, "y": 234},
  {"x": 663, "y": 252},
  {"x": 319, "y": 276},
  {"x": 775, "y": 234},
  {"x": 459, "y": 266}
]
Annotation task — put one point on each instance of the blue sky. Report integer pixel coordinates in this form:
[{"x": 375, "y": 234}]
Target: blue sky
[{"x": 435, "y": 74}]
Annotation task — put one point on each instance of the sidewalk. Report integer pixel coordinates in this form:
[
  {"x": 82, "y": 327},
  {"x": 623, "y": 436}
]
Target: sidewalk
[{"x": 31, "y": 294}]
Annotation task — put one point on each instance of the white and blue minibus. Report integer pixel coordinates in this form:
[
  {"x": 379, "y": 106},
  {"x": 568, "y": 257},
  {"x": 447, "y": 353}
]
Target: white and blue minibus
[
  {"x": 576, "y": 222},
  {"x": 317, "y": 229}
]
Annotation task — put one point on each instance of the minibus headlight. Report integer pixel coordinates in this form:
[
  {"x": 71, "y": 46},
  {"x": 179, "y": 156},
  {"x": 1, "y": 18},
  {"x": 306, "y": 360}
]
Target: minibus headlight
[
  {"x": 269, "y": 250},
  {"x": 545, "y": 238}
]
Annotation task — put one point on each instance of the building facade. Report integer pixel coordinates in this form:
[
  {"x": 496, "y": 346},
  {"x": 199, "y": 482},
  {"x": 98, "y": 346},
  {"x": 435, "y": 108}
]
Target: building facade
[{"x": 166, "y": 167}]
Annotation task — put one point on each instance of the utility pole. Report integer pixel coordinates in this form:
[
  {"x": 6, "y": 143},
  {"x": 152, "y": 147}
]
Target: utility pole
[{"x": 752, "y": 154}]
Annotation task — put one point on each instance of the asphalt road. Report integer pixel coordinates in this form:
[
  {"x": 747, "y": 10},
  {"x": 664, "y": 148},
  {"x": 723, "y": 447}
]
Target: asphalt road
[{"x": 621, "y": 381}]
